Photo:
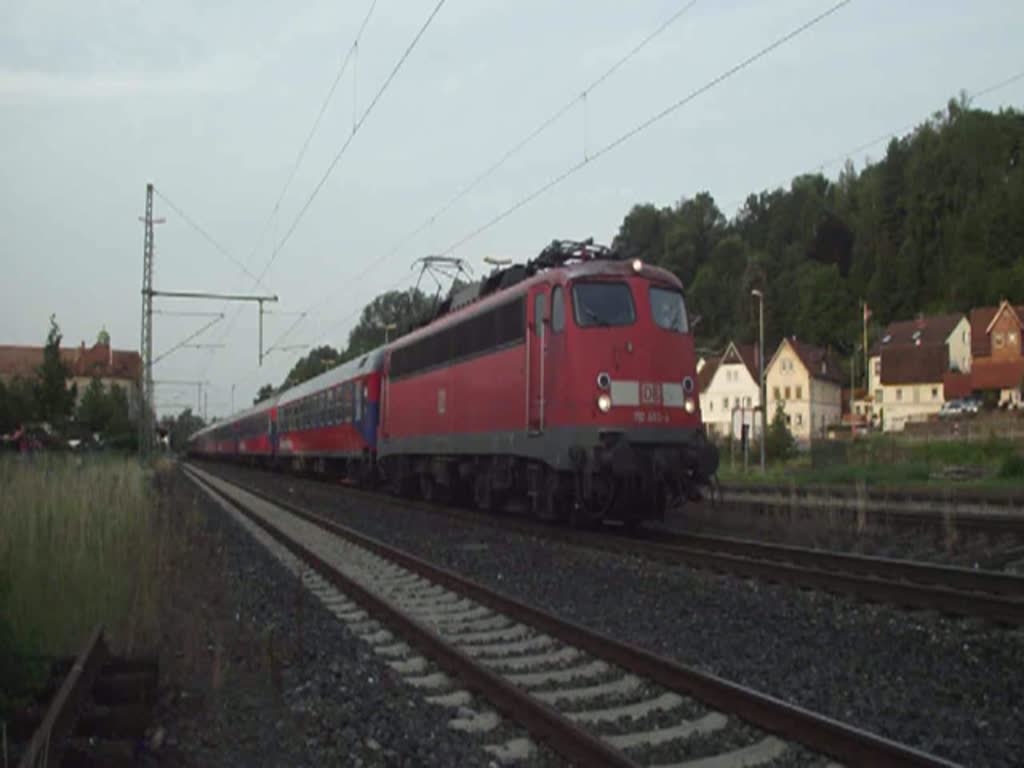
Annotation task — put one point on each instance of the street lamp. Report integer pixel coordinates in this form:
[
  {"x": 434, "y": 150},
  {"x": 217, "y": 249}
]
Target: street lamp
[{"x": 761, "y": 366}]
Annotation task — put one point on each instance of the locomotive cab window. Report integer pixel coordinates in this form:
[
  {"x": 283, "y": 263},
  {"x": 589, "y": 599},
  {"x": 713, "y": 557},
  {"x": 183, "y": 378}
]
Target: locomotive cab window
[
  {"x": 557, "y": 310},
  {"x": 603, "y": 304},
  {"x": 668, "y": 309}
]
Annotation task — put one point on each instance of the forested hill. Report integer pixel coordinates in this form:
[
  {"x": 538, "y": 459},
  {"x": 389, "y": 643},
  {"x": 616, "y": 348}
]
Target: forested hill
[{"x": 935, "y": 226}]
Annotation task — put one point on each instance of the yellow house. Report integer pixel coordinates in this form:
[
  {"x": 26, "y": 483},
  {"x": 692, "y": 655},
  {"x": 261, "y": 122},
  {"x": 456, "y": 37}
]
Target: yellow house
[
  {"x": 909, "y": 365},
  {"x": 806, "y": 381}
]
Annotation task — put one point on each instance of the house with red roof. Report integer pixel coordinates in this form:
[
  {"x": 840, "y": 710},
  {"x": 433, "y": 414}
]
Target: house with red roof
[
  {"x": 997, "y": 346},
  {"x": 729, "y": 391},
  {"x": 910, "y": 365},
  {"x": 806, "y": 382},
  {"x": 111, "y": 366}
]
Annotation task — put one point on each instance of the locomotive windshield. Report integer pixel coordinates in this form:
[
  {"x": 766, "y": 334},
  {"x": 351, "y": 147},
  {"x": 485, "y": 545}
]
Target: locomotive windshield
[
  {"x": 603, "y": 304},
  {"x": 668, "y": 309}
]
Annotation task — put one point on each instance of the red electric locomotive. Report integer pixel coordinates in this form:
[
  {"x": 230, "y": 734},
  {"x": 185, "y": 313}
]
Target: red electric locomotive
[{"x": 569, "y": 381}]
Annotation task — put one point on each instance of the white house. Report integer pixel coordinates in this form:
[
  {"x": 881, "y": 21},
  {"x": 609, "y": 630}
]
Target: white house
[
  {"x": 807, "y": 382},
  {"x": 729, "y": 393}
]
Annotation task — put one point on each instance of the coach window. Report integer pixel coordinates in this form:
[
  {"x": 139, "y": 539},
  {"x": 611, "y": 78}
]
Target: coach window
[
  {"x": 603, "y": 304},
  {"x": 359, "y": 402},
  {"x": 557, "y": 310},
  {"x": 668, "y": 309}
]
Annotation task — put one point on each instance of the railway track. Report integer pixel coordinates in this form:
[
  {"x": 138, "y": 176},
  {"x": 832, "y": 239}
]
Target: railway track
[
  {"x": 593, "y": 700},
  {"x": 991, "y": 596},
  {"x": 97, "y": 715}
]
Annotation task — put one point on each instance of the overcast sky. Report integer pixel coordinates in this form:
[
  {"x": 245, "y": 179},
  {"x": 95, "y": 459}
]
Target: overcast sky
[{"x": 211, "y": 101}]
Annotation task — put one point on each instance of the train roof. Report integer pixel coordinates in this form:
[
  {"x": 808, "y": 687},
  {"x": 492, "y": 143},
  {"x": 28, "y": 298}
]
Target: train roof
[
  {"x": 517, "y": 279},
  {"x": 360, "y": 366}
]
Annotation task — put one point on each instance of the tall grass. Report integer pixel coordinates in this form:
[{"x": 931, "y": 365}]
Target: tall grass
[{"x": 79, "y": 545}]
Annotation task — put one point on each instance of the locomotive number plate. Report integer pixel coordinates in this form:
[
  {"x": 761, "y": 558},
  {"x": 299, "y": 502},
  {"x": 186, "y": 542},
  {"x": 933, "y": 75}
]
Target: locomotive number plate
[{"x": 651, "y": 417}]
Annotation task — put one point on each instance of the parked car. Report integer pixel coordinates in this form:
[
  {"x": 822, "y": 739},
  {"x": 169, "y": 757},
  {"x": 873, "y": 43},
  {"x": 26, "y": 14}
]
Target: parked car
[
  {"x": 971, "y": 404},
  {"x": 951, "y": 408}
]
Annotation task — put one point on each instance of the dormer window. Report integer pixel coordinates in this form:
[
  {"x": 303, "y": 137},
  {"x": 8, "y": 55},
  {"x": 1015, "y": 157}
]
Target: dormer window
[
  {"x": 1011, "y": 338},
  {"x": 997, "y": 339}
]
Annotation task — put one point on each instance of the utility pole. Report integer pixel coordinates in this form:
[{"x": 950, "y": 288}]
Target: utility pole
[
  {"x": 146, "y": 344},
  {"x": 761, "y": 369}
]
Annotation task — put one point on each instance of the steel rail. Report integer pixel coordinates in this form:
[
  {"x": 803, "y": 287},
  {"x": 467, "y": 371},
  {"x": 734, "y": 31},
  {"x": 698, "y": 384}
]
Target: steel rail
[
  {"x": 542, "y": 721},
  {"x": 995, "y": 597},
  {"x": 996, "y": 521},
  {"x": 851, "y": 745},
  {"x": 961, "y": 579},
  {"x": 47, "y": 744}
]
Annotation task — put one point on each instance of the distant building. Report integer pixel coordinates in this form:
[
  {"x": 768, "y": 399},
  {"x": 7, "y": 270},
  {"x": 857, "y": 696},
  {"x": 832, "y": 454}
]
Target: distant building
[
  {"x": 910, "y": 365},
  {"x": 807, "y": 382},
  {"x": 111, "y": 366},
  {"x": 729, "y": 391},
  {"x": 997, "y": 345}
]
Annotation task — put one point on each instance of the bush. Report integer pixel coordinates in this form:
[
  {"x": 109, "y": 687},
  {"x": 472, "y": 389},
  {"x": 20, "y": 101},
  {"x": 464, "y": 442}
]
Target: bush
[
  {"x": 1012, "y": 466},
  {"x": 779, "y": 443}
]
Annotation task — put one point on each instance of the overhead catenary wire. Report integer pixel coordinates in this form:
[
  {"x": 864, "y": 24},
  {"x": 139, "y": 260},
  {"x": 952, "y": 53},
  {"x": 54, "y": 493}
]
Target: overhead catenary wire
[
  {"x": 355, "y": 130},
  {"x": 640, "y": 128},
  {"x": 879, "y": 138},
  {"x": 521, "y": 144},
  {"x": 272, "y": 216},
  {"x": 344, "y": 148},
  {"x": 206, "y": 235},
  {"x": 549, "y": 121},
  {"x": 350, "y": 56}
]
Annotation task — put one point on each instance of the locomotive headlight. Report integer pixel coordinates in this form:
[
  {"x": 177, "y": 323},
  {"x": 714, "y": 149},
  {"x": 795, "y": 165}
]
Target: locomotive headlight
[
  {"x": 604, "y": 403},
  {"x": 689, "y": 405},
  {"x": 637, "y": 265}
]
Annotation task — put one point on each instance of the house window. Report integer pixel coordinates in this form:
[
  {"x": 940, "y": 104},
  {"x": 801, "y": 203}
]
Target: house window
[
  {"x": 775, "y": 393},
  {"x": 746, "y": 402},
  {"x": 799, "y": 393},
  {"x": 725, "y": 403},
  {"x": 787, "y": 393},
  {"x": 878, "y": 367},
  {"x": 935, "y": 393},
  {"x": 997, "y": 339},
  {"x": 711, "y": 406},
  {"x": 789, "y": 419},
  {"x": 878, "y": 394},
  {"x": 899, "y": 394},
  {"x": 799, "y": 419},
  {"x": 735, "y": 402}
]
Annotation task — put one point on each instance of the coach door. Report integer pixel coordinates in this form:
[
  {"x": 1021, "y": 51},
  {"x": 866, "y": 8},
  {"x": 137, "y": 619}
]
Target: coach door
[{"x": 535, "y": 378}]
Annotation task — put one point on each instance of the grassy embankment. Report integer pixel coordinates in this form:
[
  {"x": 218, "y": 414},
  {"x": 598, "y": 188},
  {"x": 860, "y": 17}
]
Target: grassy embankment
[
  {"x": 79, "y": 545},
  {"x": 885, "y": 461}
]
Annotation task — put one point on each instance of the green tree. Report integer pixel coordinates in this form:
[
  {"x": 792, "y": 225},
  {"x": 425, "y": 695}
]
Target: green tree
[
  {"x": 182, "y": 427},
  {"x": 55, "y": 400},
  {"x": 121, "y": 428},
  {"x": 400, "y": 309},
  {"x": 318, "y": 360},
  {"x": 264, "y": 393},
  {"x": 95, "y": 408},
  {"x": 779, "y": 444}
]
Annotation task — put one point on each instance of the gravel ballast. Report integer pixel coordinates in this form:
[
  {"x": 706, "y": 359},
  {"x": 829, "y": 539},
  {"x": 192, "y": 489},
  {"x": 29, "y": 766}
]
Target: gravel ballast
[
  {"x": 953, "y": 687},
  {"x": 319, "y": 695}
]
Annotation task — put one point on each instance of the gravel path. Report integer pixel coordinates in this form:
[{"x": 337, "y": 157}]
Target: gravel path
[
  {"x": 952, "y": 687},
  {"x": 291, "y": 686}
]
